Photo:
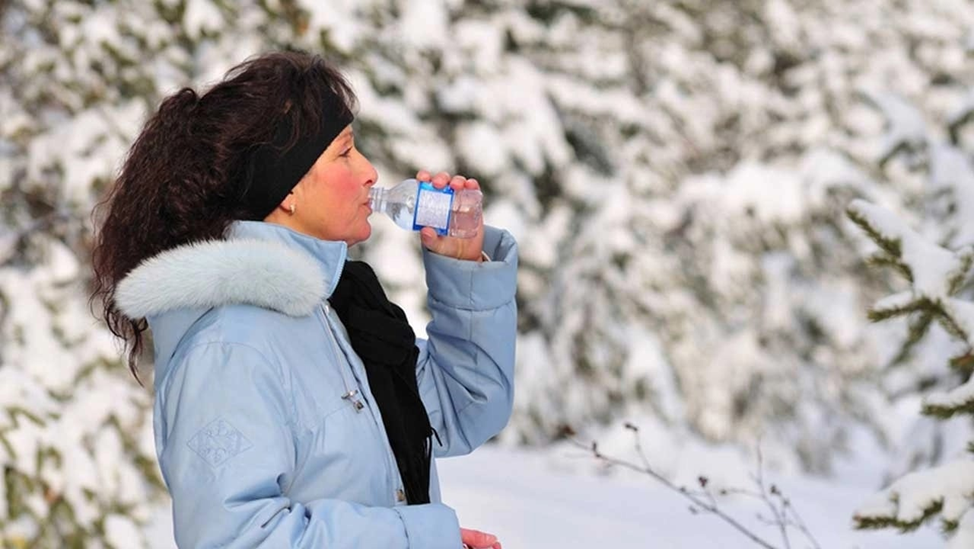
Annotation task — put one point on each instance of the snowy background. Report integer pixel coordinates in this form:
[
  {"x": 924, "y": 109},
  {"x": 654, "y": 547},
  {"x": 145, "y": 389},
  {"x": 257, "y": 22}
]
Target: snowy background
[{"x": 677, "y": 173}]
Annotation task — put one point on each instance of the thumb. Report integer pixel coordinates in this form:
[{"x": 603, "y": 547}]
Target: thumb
[{"x": 428, "y": 237}]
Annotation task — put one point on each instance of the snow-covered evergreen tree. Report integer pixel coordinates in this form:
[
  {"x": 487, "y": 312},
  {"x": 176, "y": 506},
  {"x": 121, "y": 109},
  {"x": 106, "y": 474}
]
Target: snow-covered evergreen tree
[
  {"x": 675, "y": 171},
  {"x": 939, "y": 292},
  {"x": 936, "y": 357},
  {"x": 76, "y": 446},
  {"x": 692, "y": 260}
]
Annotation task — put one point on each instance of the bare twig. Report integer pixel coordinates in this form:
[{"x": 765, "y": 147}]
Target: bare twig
[
  {"x": 697, "y": 502},
  {"x": 800, "y": 524},
  {"x": 783, "y": 513},
  {"x": 779, "y": 520}
]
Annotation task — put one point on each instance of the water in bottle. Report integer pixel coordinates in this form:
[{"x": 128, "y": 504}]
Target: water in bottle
[{"x": 416, "y": 204}]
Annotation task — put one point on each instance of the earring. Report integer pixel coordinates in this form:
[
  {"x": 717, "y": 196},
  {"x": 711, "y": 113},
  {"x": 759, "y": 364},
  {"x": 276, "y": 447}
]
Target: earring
[{"x": 291, "y": 208}]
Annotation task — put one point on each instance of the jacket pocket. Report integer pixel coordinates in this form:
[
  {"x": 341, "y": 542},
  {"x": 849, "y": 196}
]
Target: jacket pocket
[{"x": 345, "y": 449}]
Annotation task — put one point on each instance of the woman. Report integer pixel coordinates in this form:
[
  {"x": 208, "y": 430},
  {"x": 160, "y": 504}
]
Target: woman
[{"x": 294, "y": 406}]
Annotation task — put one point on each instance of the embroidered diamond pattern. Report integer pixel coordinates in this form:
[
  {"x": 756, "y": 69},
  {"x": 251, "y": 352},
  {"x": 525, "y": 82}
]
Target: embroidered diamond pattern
[{"x": 218, "y": 442}]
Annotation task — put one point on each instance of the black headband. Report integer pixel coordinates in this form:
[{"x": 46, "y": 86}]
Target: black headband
[{"x": 276, "y": 170}]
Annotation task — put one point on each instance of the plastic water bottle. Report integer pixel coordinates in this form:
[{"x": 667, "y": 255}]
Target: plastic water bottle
[{"x": 416, "y": 204}]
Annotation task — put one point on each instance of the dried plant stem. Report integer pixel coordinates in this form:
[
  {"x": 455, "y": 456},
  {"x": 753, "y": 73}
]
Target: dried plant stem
[
  {"x": 783, "y": 514},
  {"x": 710, "y": 507}
]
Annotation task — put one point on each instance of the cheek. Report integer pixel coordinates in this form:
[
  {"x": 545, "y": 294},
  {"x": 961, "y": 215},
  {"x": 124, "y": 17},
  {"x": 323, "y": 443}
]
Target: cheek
[{"x": 338, "y": 190}]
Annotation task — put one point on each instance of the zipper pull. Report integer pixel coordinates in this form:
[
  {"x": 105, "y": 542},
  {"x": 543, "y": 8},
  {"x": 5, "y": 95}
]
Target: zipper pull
[{"x": 350, "y": 396}]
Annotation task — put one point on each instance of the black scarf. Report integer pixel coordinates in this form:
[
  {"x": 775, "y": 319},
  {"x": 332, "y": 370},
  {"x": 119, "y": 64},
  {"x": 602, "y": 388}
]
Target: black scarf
[{"x": 385, "y": 342}]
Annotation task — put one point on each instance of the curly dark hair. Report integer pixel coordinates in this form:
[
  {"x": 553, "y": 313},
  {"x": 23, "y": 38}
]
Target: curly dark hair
[{"x": 185, "y": 175}]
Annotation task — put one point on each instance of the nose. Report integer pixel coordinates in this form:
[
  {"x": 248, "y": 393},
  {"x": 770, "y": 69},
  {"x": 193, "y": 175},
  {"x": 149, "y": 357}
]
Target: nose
[{"x": 373, "y": 175}]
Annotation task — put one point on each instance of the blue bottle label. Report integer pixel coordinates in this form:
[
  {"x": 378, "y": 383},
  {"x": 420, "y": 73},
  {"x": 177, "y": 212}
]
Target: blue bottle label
[{"x": 433, "y": 208}]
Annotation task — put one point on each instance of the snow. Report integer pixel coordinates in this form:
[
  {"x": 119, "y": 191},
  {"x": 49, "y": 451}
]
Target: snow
[
  {"x": 423, "y": 22},
  {"x": 541, "y": 500},
  {"x": 908, "y": 499},
  {"x": 964, "y": 538},
  {"x": 954, "y": 399},
  {"x": 951, "y": 172},
  {"x": 483, "y": 147},
  {"x": 905, "y": 123},
  {"x": 962, "y": 314},
  {"x": 337, "y": 19},
  {"x": 930, "y": 265},
  {"x": 678, "y": 196},
  {"x": 201, "y": 16},
  {"x": 894, "y": 302},
  {"x": 121, "y": 531}
]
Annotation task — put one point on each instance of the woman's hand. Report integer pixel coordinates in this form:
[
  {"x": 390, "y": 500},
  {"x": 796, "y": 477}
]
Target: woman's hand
[
  {"x": 478, "y": 540},
  {"x": 457, "y": 248}
]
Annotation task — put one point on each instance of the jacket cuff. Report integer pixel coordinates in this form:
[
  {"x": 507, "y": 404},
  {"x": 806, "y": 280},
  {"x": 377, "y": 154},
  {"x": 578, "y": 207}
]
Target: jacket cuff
[
  {"x": 471, "y": 285},
  {"x": 430, "y": 526}
]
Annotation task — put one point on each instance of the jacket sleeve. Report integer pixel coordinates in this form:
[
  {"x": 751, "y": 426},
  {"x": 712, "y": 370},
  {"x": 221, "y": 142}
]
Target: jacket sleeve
[
  {"x": 465, "y": 369},
  {"x": 228, "y": 456}
]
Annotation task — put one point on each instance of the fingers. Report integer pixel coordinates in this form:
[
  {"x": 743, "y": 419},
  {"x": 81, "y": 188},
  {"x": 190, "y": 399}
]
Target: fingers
[
  {"x": 476, "y": 538},
  {"x": 442, "y": 179}
]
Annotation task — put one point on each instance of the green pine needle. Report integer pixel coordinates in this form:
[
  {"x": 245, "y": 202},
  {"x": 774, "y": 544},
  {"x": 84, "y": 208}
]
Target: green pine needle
[
  {"x": 918, "y": 305},
  {"x": 875, "y": 523},
  {"x": 880, "y": 260},
  {"x": 891, "y": 246},
  {"x": 947, "y": 412},
  {"x": 964, "y": 363}
]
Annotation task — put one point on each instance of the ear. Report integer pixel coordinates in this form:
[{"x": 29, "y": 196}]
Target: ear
[
  {"x": 285, "y": 206},
  {"x": 282, "y": 212}
]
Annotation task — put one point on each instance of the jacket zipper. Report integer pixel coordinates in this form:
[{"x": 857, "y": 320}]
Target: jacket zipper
[{"x": 336, "y": 347}]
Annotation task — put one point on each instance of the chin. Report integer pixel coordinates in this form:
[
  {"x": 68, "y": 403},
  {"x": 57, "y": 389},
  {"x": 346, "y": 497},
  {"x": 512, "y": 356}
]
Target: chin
[{"x": 362, "y": 235}]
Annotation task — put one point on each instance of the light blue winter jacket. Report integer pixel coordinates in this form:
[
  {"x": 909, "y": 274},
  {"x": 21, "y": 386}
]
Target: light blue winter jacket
[{"x": 256, "y": 443}]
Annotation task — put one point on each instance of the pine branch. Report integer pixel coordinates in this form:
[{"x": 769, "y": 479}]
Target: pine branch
[
  {"x": 963, "y": 364},
  {"x": 951, "y": 325},
  {"x": 882, "y": 259},
  {"x": 918, "y": 328},
  {"x": 956, "y": 282},
  {"x": 916, "y": 497},
  {"x": 893, "y": 247},
  {"x": 881, "y": 314},
  {"x": 878, "y": 522},
  {"x": 946, "y": 412},
  {"x": 957, "y": 123}
]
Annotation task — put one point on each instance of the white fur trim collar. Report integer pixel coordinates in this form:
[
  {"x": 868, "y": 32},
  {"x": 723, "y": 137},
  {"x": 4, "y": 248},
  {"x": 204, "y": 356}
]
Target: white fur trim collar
[{"x": 222, "y": 272}]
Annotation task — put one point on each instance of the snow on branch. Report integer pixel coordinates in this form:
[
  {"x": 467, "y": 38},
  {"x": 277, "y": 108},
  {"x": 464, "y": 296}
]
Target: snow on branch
[
  {"x": 895, "y": 305},
  {"x": 964, "y": 536},
  {"x": 918, "y": 496},
  {"x": 961, "y": 115},
  {"x": 936, "y": 275},
  {"x": 934, "y": 272},
  {"x": 906, "y": 129},
  {"x": 946, "y": 404},
  {"x": 952, "y": 180}
]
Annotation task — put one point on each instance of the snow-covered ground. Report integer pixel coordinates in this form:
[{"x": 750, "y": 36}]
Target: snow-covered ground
[{"x": 547, "y": 500}]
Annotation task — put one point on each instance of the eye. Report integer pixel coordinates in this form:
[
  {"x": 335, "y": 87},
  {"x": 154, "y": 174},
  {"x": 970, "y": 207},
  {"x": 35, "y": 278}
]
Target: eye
[{"x": 347, "y": 152}]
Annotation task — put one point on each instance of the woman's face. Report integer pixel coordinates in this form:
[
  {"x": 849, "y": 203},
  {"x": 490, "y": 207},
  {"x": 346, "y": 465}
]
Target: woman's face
[{"x": 331, "y": 202}]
